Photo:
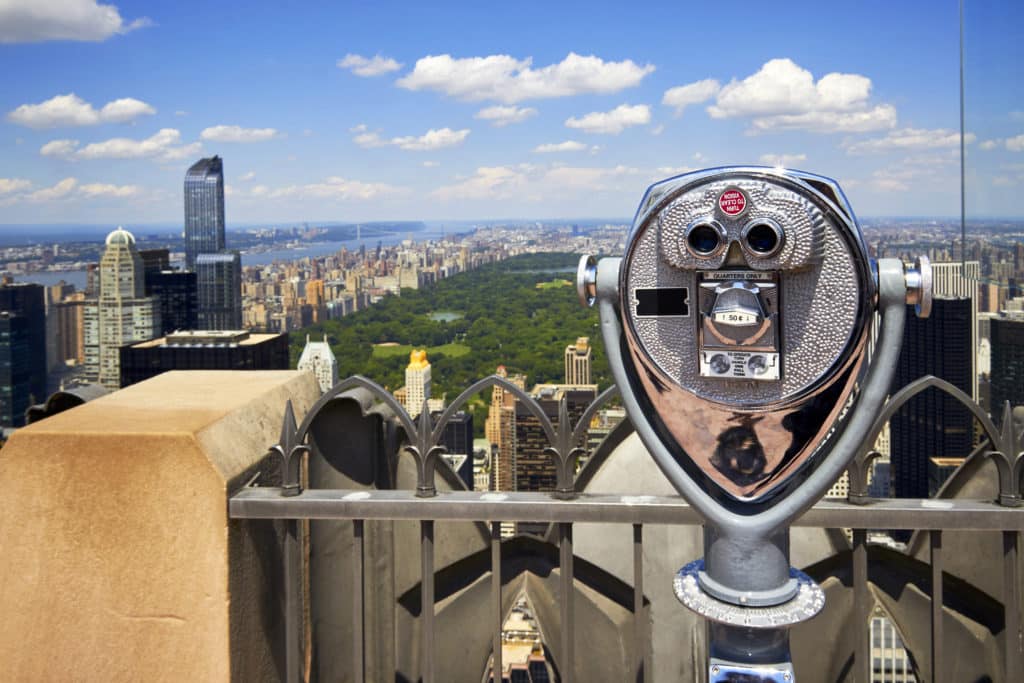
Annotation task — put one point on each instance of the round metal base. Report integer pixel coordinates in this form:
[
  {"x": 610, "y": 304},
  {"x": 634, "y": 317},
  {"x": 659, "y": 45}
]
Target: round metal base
[{"x": 807, "y": 602}]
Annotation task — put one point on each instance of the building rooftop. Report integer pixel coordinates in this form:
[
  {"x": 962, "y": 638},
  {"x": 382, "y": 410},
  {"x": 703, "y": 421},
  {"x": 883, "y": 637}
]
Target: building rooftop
[{"x": 206, "y": 338}]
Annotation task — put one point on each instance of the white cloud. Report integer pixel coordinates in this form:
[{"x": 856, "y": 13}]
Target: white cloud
[
  {"x": 658, "y": 129},
  {"x": 237, "y": 134},
  {"x": 59, "y": 148},
  {"x": 612, "y": 122},
  {"x": 784, "y": 96},
  {"x": 58, "y": 191},
  {"x": 433, "y": 139},
  {"x": 567, "y": 146},
  {"x": 72, "y": 110},
  {"x": 526, "y": 182},
  {"x": 248, "y": 176},
  {"x": 430, "y": 164},
  {"x": 500, "y": 115},
  {"x": 32, "y": 21},
  {"x": 1015, "y": 144},
  {"x": 669, "y": 171},
  {"x": 989, "y": 145},
  {"x": 683, "y": 96},
  {"x": 784, "y": 160},
  {"x": 164, "y": 145},
  {"x": 12, "y": 185},
  {"x": 910, "y": 139},
  {"x": 489, "y": 182},
  {"x": 181, "y": 112},
  {"x": 331, "y": 188},
  {"x": 368, "y": 66},
  {"x": 106, "y": 190},
  {"x": 502, "y": 78}
]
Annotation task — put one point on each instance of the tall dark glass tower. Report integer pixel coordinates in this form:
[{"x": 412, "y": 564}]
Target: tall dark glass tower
[
  {"x": 220, "y": 290},
  {"x": 22, "y": 350},
  {"x": 1007, "y": 364},
  {"x": 204, "y": 209},
  {"x": 932, "y": 424}
]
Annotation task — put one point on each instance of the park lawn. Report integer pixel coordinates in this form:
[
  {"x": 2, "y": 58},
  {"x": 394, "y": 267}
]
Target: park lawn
[{"x": 451, "y": 350}]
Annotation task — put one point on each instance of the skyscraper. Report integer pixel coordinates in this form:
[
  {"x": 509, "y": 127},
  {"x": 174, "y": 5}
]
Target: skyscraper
[
  {"x": 318, "y": 357},
  {"x": 932, "y": 424},
  {"x": 177, "y": 294},
  {"x": 577, "y": 362},
  {"x": 500, "y": 430},
  {"x": 219, "y": 286},
  {"x": 417, "y": 382},
  {"x": 22, "y": 350},
  {"x": 1007, "y": 383},
  {"x": 122, "y": 314},
  {"x": 204, "y": 209}
]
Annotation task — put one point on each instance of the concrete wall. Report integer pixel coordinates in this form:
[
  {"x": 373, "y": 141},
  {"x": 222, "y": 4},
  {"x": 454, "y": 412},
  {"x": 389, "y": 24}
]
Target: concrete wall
[{"x": 118, "y": 559}]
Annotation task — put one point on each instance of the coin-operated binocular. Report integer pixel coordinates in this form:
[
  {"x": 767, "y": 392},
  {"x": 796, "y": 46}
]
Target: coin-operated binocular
[{"x": 738, "y": 325}]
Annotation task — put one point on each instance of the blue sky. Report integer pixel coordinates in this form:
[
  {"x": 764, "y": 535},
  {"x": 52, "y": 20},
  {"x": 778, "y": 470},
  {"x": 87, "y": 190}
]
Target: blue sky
[{"x": 376, "y": 111}]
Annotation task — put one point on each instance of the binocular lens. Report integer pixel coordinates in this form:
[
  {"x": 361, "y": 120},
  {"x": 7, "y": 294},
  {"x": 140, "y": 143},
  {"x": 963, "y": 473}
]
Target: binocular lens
[
  {"x": 703, "y": 239},
  {"x": 762, "y": 238}
]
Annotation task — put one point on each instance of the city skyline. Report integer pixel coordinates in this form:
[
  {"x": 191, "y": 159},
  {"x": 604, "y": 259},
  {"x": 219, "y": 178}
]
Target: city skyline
[{"x": 380, "y": 113}]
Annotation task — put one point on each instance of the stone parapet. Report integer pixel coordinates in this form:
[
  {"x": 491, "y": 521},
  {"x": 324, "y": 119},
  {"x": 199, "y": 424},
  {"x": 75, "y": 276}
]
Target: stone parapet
[{"x": 119, "y": 561}]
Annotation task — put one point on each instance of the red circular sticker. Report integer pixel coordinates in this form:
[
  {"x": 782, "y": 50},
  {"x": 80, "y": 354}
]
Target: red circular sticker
[{"x": 732, "y": 202}]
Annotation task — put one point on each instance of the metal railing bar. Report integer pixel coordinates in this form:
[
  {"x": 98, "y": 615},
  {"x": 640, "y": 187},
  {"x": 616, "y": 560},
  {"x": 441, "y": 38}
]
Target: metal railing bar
[
  {"x": 1011, "y": 605},
  {"x": 639, "y": 639},
  {"x": 427, "y": 599},
  {"x": 862, "y": 656},
  {"x": 892, "y": 513},
  {"x": 935, "y": 537},
  {"x": 497, "y": 615},
  {"x": 565, "y": 568},
  {"x": 358, "y": 655},
  {"x": 293, "y": 658}
]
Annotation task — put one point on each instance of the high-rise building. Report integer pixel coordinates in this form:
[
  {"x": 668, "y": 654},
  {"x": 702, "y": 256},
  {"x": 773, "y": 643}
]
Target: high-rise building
[
  {"x": 417, "y": 382},
  {"x": 577, "y": 362},
  {"x": 22, "y": 350},
  {"x": 534, "y": 469},
  {"x": 219, "y": 288},
  {"x": 203, "y": 350},
  {"x": 500, "y": 431},
  {"x": 1007, "y": 378},
  {"x": 154, "y": 261},
  {"x": 318, "y": 358},
  {"x": 177, "y": 294},
  {"x": 933, "y": 424},
  {"x": 959, "y": 280},
  {"x": 71, "y": 328},
  {"x": 122, "y": 314},
  {"x": 204, "y": 209}
]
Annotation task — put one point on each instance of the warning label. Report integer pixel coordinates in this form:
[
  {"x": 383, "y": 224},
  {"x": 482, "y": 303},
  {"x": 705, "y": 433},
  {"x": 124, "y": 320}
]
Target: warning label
[{"x": 732, "y": 202}]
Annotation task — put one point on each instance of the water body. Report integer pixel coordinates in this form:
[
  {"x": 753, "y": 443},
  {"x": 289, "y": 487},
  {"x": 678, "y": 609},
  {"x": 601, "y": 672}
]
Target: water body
[
  {"x": 313, "y": 249},
  {"x": 444, "y": 316}
]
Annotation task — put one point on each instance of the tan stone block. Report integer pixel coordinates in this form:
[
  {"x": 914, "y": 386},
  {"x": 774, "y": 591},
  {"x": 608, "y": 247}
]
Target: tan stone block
[{"x": 117, "y": 557}]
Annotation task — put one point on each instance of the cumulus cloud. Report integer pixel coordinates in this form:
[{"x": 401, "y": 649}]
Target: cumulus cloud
[
  {"x": 164, "y": 145},
  {"x": 108, "y": 190},
  {"x": 58, "y": 191},
  {"x": 784, "y": 96},
  {"x": 683, "y": 96},
  {"x": 12, "y": 185},
  {"x": 1015, "y": 144},
  {"x": 331, "y": 188},
  {"x": 72, "y": 110},
  {"x": 430, "y": 164},
  {"x": 433, "y": 139},
  {"x": 237, "y": 134},
  {"x": 988, "y": 145},
  {"x": 784, "y": 160},
  {"x": 248, "y": 176},
  {"x": 526, "y": 182},
  {"x": 910, "y": 139},
  {"x": 503, "y": 78},
  {"x": 567, "y": 146},
  {"x": 612, "y": 122},
  {"x": 500, "y": 115},
  {"x": 368, "y": 66},
  {"x": 33, "y": 21}
]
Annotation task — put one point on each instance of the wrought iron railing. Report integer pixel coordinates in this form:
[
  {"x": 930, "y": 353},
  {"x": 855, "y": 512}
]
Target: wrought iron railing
[{"x": 565, "y": 506}]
